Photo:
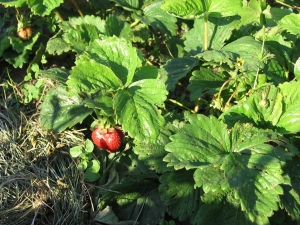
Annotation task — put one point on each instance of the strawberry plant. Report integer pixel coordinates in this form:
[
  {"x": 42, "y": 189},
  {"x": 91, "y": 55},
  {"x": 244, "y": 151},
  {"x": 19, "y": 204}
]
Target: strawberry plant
[{"x": 209, "y": 135}]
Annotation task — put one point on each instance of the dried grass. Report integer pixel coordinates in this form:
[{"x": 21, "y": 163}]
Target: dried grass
[{"x": 39, "y": 181}]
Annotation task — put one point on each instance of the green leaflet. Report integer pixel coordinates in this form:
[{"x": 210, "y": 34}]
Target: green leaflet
[
  {"x": 199, "y": 132},
  {"x": 178, "y": 193},
  {"x": 248, "y": 50},
  {"x": 281, "y": 112},
  {"x": 114, "y": 26},
  {"x": 43, "y": 7},
  {"x": 290, "y": 200},
  {"x": 159, "y": 19},
  {"x": 291, "y": 23},
  {"x": 192, "y": 9},
  {"x": 13, "y": 3},
  {"x": 90, "y": 76},
  {"x": 204, "y": 81},
  {"x": 297, "y": 69},
  {"x": 152, "y": 152},
  {"x": 241, "y": 160},
  {"x": 128, "y": 4},
  {"x": 219, "y": 30},
  {"x": 176, "y": 69},
  {"x": 136, "y": 109},
  {"x": 59, "y": 111},
  {"x": 117, "y": 54}
]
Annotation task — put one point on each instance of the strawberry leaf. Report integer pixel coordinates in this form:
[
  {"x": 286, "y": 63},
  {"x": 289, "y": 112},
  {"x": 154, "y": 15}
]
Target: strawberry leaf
[
  {"x": 290, "y": 200},
  {"x": 219, "y": 31},
  {"x": 153, "y": 151},
  {"x": 280, "y": 113},
  {"x": 249, "y": 50},
  {"x": 90, "y": 76},
  {"x": 178, "y": 194},
  {"x": 118, "y": 55},
  {"x": 290, "y": 23},
  {"x": 59, "y": 111},
  {"x": 192, "y": 9},
  {"x": 176, "y": 69},
  {"x": 159, "y": 19},
  {"x": 243, "y": 160},
  {"x": 205, "y": 81},
  {"x": 136, "y": 108},
  {"x": 43, "y": 7}
]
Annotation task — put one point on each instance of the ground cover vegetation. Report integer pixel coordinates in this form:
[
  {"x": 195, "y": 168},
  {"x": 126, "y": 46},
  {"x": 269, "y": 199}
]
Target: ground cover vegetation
[{"x": 149, "y": 112}]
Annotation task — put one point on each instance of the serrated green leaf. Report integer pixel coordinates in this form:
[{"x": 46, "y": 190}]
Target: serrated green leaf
[
  {"x": 159, "y": 20},
  {"x": 178, "y": 194},
  {"x": 219, "y": 30},
  {"x": 281, "y": 112},
  {"x": 4, "y": 44},
  {"x": 13, "y": 3},
  {"x": 192, "y": 9},
  {"x": 297, "y": 69},
  {"x": 22, "y": 50},
  {"x": 137, "y": 198},
  {"x": 43, "y": 7},
  {"x": 136, "y": 109},
  {"x": 87, "y": 19},
  {"x": 145, "y": 72},
  {"x": 90, "y": 76},
  {"x": 106, "y": 216},
  {"x": 255, "y": 112},
  {"x": 128, "y": 4},
  {"x": 59, "y": 111},
  {"x": 117, "y": 54},
  {"x": 80, "y": 35},
  {"x": 251, "y": 13},
  {"x": 88, "y": 146},
  {"x": 242, "y": 160},
  {"x": 205, "y": 81},
  {"x": 152, "y": 153},
  {"x": 114, "y": 26},
  {"x": 213, "y": 182},
  {"x": 275, "y": 72},
  {"x": 225, "y": 212},
  {"x": 101, "y": 101},
  {"x": 289, "y": 121},
  {"x": 176, "y": 69},
  {"x": 281, "y": 48},
  {"x": 183, "y": 151},
  {"x": 57, "y": 46},
  {"x": 219, "y": 57},
  {"x": 76, "y": 151},
  {"x": 290, "y": 200},
  {"x": 56, "y": 74},
  {"x": 290, "y": 23},
  {"x": 248, "y": 50}
]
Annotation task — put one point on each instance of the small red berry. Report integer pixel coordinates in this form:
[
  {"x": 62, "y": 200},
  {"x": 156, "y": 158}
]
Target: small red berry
[{"x": 108, "y": 139}]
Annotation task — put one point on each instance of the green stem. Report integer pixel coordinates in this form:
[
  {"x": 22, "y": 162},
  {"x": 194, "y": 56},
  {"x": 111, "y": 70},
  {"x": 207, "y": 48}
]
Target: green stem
[
  {"x": 181, "y": 105},
  {"x": 206, "y": 33},
  {"x": 284, "y": 4}
]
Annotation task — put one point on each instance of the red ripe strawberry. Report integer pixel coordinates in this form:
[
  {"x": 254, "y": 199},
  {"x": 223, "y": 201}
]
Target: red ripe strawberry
[
  {"x": 108, "y": 139},
  {"x": 25, "y": 33}
]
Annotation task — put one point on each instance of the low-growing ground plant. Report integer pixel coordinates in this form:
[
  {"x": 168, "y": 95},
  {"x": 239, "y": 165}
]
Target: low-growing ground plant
[{"x": 168, "y": 112}]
